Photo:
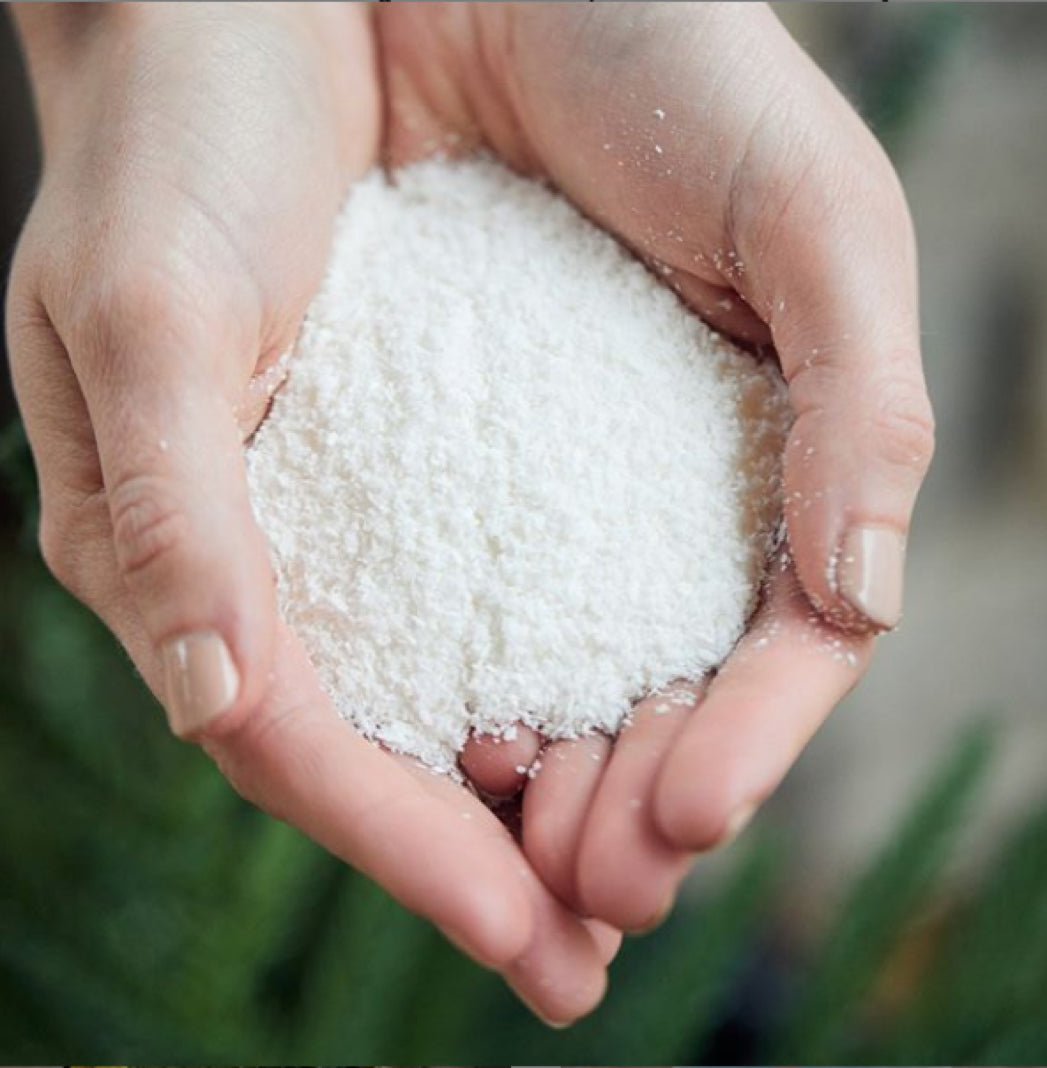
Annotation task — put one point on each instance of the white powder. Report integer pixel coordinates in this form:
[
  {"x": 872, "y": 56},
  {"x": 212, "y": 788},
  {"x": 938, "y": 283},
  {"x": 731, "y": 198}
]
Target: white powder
[{"x": 510, "y": 477}]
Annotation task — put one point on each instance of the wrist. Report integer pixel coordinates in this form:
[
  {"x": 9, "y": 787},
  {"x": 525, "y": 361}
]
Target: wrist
[
  {"x": 62, "y": 44},
  {"x": 84, "y": 63}
]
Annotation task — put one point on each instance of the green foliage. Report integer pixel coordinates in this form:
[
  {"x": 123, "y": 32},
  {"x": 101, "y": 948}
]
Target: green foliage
[
  {"x": 821, "y": 1025},
  {"x": 982, "y": 999},
  {"x": 147, "y": 914},
  {"x": 667, "y": 991}
]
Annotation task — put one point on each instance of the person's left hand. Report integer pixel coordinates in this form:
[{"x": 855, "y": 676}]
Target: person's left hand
[{"x": 706, "y": 140}]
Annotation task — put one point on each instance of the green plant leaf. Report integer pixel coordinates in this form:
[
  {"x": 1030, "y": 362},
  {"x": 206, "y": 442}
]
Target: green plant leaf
[{"x": 823, "y": 1021}]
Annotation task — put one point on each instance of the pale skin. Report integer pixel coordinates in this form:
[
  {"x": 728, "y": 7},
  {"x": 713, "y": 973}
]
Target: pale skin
[{"x": 194, "y": 160}]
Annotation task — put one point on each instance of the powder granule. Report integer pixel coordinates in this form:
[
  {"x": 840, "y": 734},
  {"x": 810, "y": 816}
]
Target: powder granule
[{"x": 510, "y": 476}]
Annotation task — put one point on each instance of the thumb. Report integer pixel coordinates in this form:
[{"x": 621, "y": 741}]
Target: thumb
[
  {"x": 186, "y": 545},
  {"x": 838, "y": 279}
]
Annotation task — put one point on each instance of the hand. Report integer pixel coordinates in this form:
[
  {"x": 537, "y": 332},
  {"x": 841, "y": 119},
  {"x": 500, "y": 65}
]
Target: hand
[
  {"x": 706, "y": 139},
  {"x": 194, "y": 160}
]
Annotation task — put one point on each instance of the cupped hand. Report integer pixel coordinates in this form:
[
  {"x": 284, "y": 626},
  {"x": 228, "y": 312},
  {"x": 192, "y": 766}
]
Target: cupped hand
[
  {"x": 708, "y": 142},
  {"x": 194, "y": 159}
]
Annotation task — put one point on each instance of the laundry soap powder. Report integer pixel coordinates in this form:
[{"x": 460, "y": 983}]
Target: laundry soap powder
[{"x": 510, "y": 476}]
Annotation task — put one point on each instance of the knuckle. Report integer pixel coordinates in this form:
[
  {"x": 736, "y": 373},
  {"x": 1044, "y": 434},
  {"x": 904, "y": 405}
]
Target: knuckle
[
  {"x": 123, "y": 315},
  {"x": 890, "y": 207},
  {"x": 867, "y": 170},
  {"x": 892, "y": 414},
  {"x": 238, "y": 740},
  {"x": 122, "y": 298},
  {"x": 872, "y": 191},
  {"x": 149, "y": 525},
  {"x": 59, "y": 550},
  {"x": 902, "y": 425},
  {"x": 243, "y": 779}
]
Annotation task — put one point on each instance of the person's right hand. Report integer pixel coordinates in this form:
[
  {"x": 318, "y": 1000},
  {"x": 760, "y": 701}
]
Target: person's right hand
[{"x": 194, "y": 160}]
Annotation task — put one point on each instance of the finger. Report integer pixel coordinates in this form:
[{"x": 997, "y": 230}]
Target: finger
[
  {"x": 49, "y": 399},
  {"x": 627, "y": 871},
  {"x": 773, "y": 693},
  {"x": 292, "y": 757},
  {"x": 451, "y": 861},
  {"x": 555, "y": 806},
  {"x": 608, "y": 939},
  {"x": 75, "y": 532},
  {"x": 863, "y": 435},
  {"x": 298, "y": 760},
  {"x": 560, "y": 976},
  {"x": 498, "y": 765},
  {"x": 821, "y": 227},
  {"x": 158, "y": 390}
]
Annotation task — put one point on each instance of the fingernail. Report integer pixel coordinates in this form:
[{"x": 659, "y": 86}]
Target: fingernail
[
  {"x": 740, "y": 819},
  {"x": 870, "y": 573},
  {"x": 200, "y": 680},
  {"x": 544, "y": 1019}
]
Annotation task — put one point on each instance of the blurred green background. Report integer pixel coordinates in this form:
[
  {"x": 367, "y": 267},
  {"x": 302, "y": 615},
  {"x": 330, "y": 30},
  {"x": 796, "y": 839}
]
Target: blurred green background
[{"x": 889, "y": 906}]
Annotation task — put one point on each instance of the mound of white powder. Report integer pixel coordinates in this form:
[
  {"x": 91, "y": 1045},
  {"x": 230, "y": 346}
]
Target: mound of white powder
[{"x": 510, "y": 477}]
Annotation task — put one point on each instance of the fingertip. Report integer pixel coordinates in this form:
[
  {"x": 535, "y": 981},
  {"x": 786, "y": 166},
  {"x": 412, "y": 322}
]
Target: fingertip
[
  {"x": 496, "y": 926},
  {"x": 626, "y": 871},
  {"x": 870, "y": 572},
  {"x": 854, "y": 582},
  {"x": 607, "y": 939},
  {"x": 563, "y": 1006},
  {"x": 210, "y": 693},
  {"x": 556, "y": 806},
  {"x": 697, "y": 820},
  {"x": 562, "y": 974},
  {"x": 848, "y": 504},
  {"x": 498, "y": 765},
  {"x": 588, "y": 994},
  {"x": 615, "y": 895},
  {"x": 670, "y": 811},
  {"x": 547, "y": 843}
]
